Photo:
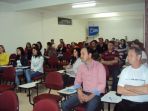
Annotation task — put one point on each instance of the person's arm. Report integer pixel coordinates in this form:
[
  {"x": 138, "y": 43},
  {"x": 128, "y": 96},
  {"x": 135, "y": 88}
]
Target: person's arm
[
  {"x": 123, "y": 91},
  {"x": 77, "y": 85},
  {"x": 141, "y": 90},
  {"x": 115, "y": 61},
  {"x": 40, "y": 64},
  {"x": 122, "y": 82},
  {"x": 78, "y": 79},
  {"x": 101, "y": 79},
  {"x": 32, "y": 60},
  {"x": 76, "y": 65}
]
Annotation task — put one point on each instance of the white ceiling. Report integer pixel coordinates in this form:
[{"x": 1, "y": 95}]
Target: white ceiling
[{"x": 125, "y": 8}]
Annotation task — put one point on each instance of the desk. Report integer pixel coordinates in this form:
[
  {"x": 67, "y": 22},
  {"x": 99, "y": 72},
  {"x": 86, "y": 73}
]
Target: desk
[
  {"x": 111, "y": 98},
  {"x": 30, "y": 86},
  {"x": 61, "y": 71},
  {"x": 6, "y": 66},
  {"x": 67, "y": 91},
  {"x": 23, "y": 67}
]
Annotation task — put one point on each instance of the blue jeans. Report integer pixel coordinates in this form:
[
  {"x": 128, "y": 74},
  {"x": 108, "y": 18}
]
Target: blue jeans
[
  {"x": 1, "y": 69},
  {"x": 73, "y": 101},
  {"x": 30, "y": 74},
  {"x": 18, "y": 72}
]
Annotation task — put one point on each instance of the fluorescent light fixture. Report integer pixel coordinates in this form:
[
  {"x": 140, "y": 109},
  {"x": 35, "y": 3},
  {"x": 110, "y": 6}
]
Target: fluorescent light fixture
[
  {"x": 84, "y": 4},
  {"x": 112, "y": 14}
]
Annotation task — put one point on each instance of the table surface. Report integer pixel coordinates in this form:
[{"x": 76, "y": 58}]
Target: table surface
[
  {"x": 29, "y": 85},
  {"x": 61, "y": 71},
  {"x": 22, "y": 67},
  {"x": 67, "y": 90},
  {"x": 111, "y": 97},
  {"x": 7, "y": 66}
]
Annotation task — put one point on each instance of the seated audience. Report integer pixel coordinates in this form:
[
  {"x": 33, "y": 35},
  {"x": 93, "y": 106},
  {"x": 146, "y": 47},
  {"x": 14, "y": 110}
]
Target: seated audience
[
  {"x": 102, "y": 46},
  {"x": 90, "y": 82},
  {"x": 60, "y": 51},
  {"x": 110, "y": 58},
  {"x": 72, "y": 68},
  {"x": 133, "y": 84},
  {"x": 21, "y": 60},
  {"x": 4, "y": 57},
  {"x": 50, "y": 51},
  {"x": 36, "y": 64},
  {"x": 136, "y": 43},
  {"x": 53, "y": 44},
  {"x": 39, "y": 44},
  {"x": 95, "y": 49},
  {"x": 28, "y": 50}
]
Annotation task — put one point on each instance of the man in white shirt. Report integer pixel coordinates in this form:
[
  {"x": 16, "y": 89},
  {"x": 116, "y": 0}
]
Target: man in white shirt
[{"x": 133, "y": 84}]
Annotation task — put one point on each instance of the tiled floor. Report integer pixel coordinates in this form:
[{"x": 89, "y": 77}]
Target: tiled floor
[{"x": 25, "y": 105}]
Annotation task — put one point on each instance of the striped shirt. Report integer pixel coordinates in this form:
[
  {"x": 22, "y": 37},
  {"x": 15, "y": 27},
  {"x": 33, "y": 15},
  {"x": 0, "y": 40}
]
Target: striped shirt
[{"x": 93, "y": 77}]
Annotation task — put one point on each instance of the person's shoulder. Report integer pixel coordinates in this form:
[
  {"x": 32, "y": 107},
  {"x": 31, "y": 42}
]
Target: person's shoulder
[
  {"x": 144, "y": 67},
  {"x": 128, "y": 68},
  {"x": 97, "y": 63},
  {"x": 6, "y": 54},
  {"x": 41, "y": 57}
]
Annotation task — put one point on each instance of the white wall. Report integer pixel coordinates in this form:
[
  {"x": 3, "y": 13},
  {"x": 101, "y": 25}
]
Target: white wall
[
  {"x": 132, "y": 28},
  {"x": 17, "y": 28},
  {"x": 75, "y": 32}
]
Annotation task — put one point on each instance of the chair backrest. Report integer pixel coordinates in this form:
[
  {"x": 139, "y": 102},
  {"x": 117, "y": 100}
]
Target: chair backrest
[
  {"x": 46, "y": 105},
  {"x": 53, "y": 62},
  {"x": 12, "y": 58},
  {"x": 9, "y": 101},
  {"x": 54, "y": 80},
  {"x": 9, "y": 74}
]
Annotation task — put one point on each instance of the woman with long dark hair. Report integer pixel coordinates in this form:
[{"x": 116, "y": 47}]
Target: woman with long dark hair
[
  {"x": 21, "y": 60},
  {"x": 36, "y": 64},
  {"x": 72, "y": 68}
]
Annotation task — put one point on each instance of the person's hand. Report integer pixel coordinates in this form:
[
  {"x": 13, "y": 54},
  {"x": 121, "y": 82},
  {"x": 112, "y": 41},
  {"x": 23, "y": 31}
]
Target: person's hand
[
  {"x": 88, "y": 97},
  {"x": 102, "y": 61},
  {"x": 81, "y": 96},
  {"x": 64, "y": 67}
]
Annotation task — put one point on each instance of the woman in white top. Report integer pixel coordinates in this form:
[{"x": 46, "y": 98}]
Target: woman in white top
[
  {"x": 72, "y": 68},
  {"x": 36, "y": 65}
]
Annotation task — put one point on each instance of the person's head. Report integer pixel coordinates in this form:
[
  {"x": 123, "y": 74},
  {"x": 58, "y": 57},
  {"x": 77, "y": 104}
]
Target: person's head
[
  {"x": 116, "y": 43},
  {"x": 49, "y": 45},
  {"x": 76, "y": 52},
  {"x": 106, "y": 41},
  {"x": 20, "y": 51},
  {"x": 134, "y": 55},
  {"x": 28, "y": 45},
  {"x": 101, "y": 40},
  {"x": 137, "y": 43},
  {"x": 39, "y": 45},
  {"x": 2, "y": 49},
  {"x": 110, "y": 45},
  {"x": 123, "y": 42},
  {"x": 86, "y": 54},
  {"x": 94, "y": 43},
  {"x": 36, "y": 52},
  {"x": 34, "y": 45},
  {"x": 52, "y": 41},
  {"x": 61, "y": 41},
  {"x": 113, "y": 39}
]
